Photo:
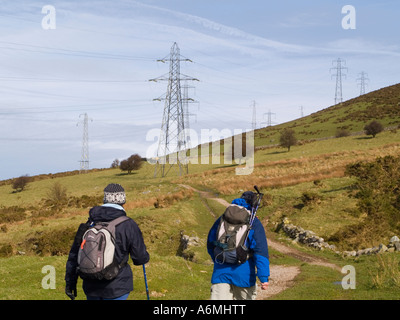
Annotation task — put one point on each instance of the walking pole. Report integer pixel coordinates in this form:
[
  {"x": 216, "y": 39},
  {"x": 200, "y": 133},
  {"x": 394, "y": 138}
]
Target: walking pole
[
  {"x": 254, "y": 212},
  {"x": 145, "y": 282}
]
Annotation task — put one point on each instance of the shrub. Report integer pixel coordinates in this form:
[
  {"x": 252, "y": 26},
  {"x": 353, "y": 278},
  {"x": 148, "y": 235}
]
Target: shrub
[
  {"x": 12, "y": 214},
  {"x": 85, "y": 201},
  {"x": 378, "y": 186},
  {"x": 54, "y": 242},
  {"x": 310, "y": 197},
  {"x": 6, "y": 250},
  {"x": 20, "y": 183},
  {"x": 373, "y": 128},
  {"x": 288, "y": 139},
  {"x": 56, "y": 196},
  {"x": 134, "y": 162},
  {"x": 342, "y": 133},
  {"x": 378, "y": 195}
]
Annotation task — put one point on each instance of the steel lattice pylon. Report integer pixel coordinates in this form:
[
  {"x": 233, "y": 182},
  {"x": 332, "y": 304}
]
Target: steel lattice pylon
[
  {"x": 339, "y": 67},
  {"x": 84, "y": 162},
  {"x": 172, "y": 141}
]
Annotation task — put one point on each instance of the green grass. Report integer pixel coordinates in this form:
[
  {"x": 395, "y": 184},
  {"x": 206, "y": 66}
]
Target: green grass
[{"x": 322, "y": 283}]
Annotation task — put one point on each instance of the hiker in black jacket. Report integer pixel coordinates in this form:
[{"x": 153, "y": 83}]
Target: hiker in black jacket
[{"x": 129, "y": 241}]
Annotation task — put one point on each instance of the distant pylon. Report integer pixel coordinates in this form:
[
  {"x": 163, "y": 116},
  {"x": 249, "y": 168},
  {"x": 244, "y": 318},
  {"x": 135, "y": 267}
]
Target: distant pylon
[
  {"x": 186, "y": 114},
  {"x": 172, "y": 142},
  {"x": 339, "y": 67},
  {"x": 84, "y": 162},
  {"x": 269, "y": 119},
  {"x": 363, "y": 82}
]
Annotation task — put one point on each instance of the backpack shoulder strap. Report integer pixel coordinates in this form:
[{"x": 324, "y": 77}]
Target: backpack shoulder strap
[{"x": 111, "y": 226}]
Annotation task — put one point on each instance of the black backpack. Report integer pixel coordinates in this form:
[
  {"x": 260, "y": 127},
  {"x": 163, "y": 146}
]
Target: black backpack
[{"x": 231, "y": 234}]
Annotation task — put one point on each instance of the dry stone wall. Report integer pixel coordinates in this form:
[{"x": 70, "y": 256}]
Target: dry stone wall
[{"x": 309, "y": 238}]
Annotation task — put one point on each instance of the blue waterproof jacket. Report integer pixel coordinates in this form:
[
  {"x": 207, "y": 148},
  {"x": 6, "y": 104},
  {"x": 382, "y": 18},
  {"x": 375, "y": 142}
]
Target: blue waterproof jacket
[{"x": 243, "y": 275}]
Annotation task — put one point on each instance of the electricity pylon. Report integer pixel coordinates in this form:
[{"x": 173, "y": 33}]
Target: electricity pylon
[
  {"x": 172, "y": 141},
  {"x": 186, "y": 114},
  {"x": 339, "y": 67},
  {"x": 269, "y": 119},
  {"x": 363, "y": 82},
  {"x": 84, "y": 162}
]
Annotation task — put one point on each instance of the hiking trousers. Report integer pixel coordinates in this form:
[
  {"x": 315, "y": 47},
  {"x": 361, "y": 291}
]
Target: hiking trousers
[{"x": 226, "y": 291}]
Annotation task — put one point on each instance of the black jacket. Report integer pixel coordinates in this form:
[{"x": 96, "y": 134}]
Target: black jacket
[{"x": 129, "y": 241}]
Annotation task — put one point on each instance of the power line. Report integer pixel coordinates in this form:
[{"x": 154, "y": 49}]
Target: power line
[{"x": 69, "y": 52}]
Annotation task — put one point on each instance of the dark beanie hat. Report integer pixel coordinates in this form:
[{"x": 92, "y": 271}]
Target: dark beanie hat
[
  {"x": 250, "y": 198},
  {"x": 114, "y": 193}
]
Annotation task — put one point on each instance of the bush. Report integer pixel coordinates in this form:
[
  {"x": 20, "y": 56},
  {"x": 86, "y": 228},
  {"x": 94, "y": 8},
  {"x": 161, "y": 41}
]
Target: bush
[
  {"x": 20, "y": 183},
  {"x": 134, "y": 162},
  {"x": 342, "y": 133},
  {"x": 85, "y": 201},
  {"x": 288, "y": 139},
  {"x": 56, "y": 196},
  {"x": 378, "y": 186},
  {"x": 378, "y": 194},
  {"x": 310, "y": 197},
  {"x": 12, "y": 214},
  {"x": 373, "y": 128},
  {"x": 53, "y": 243},
  {"x": 6, "y": 250}
]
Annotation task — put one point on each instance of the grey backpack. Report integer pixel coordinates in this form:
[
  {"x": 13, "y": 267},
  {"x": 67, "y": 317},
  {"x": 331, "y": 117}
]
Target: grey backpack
[
  {"x": 232, "y": 232},
  {"x": 96, "y": 258}
]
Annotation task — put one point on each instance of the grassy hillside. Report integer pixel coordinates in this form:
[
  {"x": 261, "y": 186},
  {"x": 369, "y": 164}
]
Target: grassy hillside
[
  {"x": 37, "y": 228},
  {"x": 352, "y": 115}
]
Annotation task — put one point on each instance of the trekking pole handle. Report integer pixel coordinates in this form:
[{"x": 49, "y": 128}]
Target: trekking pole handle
[{"x": 258, "y": 191}]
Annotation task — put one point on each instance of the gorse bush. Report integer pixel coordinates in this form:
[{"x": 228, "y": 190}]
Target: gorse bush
[
  {"x": 378, "y": 186},
  {"x": 377, "y": 189},
  {"x": 51, "y": 243},
  {"x": 12, "y": 214}
]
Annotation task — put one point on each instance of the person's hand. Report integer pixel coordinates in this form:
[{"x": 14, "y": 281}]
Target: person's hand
[
  {"x": 264, "y": 285},
  {"x": 70, "y": 291}
]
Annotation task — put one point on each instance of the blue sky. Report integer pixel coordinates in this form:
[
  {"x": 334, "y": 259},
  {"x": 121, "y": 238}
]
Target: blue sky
[{"x": 100, "y": 56}]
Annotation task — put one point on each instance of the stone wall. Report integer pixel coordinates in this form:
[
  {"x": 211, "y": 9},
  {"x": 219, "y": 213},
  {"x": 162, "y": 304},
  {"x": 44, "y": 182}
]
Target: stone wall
[{"x": 310, "y": 239}]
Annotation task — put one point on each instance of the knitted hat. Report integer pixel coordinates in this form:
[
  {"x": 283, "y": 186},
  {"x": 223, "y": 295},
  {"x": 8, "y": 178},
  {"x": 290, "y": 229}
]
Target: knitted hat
[
  {"x": 250, "y": 198},
  {"x": 114, "y": 193}
]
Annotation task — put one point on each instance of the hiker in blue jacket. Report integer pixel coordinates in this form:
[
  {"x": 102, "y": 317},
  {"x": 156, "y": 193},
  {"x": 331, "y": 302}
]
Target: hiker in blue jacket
[
  {"x": 129, "y": 241},
  {"x": 238, "y": 281}
]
